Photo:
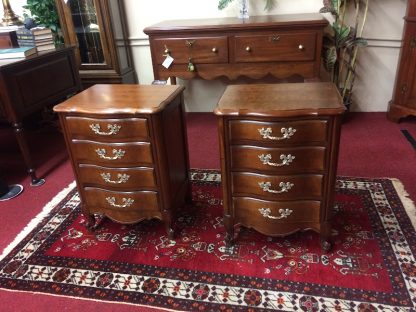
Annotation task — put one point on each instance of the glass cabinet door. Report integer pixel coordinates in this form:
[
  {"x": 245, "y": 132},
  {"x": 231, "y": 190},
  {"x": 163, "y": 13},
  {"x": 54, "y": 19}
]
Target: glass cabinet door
[{"x": 87, "y": 30}]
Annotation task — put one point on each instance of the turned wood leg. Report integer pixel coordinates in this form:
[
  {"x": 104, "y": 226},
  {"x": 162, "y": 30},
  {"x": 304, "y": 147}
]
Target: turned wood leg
[
  {"x": 229, "y": 231},
  {"x": 24, "y": 148},
  {"x": 326, "y": 237},
  {"x": 167, "y": 218}
]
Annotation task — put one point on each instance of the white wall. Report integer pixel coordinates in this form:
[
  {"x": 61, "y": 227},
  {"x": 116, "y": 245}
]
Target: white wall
[{"x": 377, "y": 62}]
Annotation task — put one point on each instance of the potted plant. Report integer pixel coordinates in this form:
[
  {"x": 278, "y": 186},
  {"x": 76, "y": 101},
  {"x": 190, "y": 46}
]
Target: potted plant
[
  {"x": 342, "y": 42},
  {"x": 44, "y": 13}
]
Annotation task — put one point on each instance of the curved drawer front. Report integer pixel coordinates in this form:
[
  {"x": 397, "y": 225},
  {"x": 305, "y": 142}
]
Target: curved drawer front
[
  {"x": 269, "y": 217},
  {"x": 279, "y": 160},
  {"x": 203, "y": 50},
  {"x": 112, "y": 154},
  {"x": 281, "y": 133},
  {"x": 274, "y": 187},
  {"x": 117, "y": 178},
  {"x": 107, "y": 130},
  {"x": 279, "y": 46},
  {"x": 121, "y": 201}
]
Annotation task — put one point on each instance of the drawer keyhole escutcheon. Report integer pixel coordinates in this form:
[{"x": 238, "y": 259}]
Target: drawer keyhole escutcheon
[
  {"x": 284, "y": 187},
  {"x": 287, "y": 133},
  {"x": 284, "y": 213},
  {"x": 127, "y": 202},
  {"x": 117, "y": 154},
  {"x": 190, "y": 43},
  {"x": 286, "y": 160},
  {"x": 112, "y": 129},
  {"x": 274, "y": 38},
  {"x": 122, "y": 178}
]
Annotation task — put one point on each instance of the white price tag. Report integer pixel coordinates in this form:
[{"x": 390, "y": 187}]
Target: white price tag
[{"x": 168, "y": 61}]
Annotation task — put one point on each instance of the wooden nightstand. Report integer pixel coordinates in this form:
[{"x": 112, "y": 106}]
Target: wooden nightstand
[
  {"x": 279, "y": 149},
  {"x": 128, "y": 149}
]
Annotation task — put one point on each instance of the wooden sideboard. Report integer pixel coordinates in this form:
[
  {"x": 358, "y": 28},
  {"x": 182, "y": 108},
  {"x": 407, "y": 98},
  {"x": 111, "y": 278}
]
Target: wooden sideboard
[
  {"x": 403, "y": 103},
  {"x": 282, "y": 46},
  {"x": 279, "y": 150},
  {"x": 28, "y": 85}
]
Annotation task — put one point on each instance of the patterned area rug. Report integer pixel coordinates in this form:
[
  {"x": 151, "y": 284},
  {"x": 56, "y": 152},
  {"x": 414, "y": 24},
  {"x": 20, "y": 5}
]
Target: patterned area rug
[{"x": 371, "y": 266}]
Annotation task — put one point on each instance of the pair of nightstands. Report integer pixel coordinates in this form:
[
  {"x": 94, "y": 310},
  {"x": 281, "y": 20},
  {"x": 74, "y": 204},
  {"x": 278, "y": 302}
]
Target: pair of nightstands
[{"x": 279, "y": 146}]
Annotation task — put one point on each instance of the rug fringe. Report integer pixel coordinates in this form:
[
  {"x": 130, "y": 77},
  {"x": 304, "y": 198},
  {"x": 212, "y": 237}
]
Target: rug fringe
[
  {"x": 408, "y": 203},
  {"x": 35, "y": 221}
]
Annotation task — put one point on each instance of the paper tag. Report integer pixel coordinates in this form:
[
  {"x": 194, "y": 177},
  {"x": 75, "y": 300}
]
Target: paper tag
[{"x": 168, "y": 61}]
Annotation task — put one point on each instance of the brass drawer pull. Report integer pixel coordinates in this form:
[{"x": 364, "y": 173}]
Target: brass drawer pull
[
  {"x": 286, "y": 160},
  {"x": 287, "y": 133},
  {"x": 122, "y": 178},
  {"x": 127, "y": 202},
  {"x": 301, "y": 47},
  {"x": 214, "y": 50},
  {"x": 248, "y": 49},
  {"x": 117, "y": 154},
  {"x": 284, "y": 187},
  {"x": 112, "y": 129},
  {"x": 284, "y": 213}
]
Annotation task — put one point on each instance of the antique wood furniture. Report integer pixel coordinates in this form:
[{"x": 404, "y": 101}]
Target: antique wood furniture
[
  {"x": 128, "y": 148},
  {"x": 279, "y": 147},
  {"x": 8, "y": 39},
  {"x": 98, "y": 29},
  {"x": 281, "y": 46},
  {"x": 404, "y": 95},
  {"x": 28, "y": 85}
]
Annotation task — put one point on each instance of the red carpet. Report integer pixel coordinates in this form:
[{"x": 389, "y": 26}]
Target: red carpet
[
  {"x": 371, "y": 266},
  {"x": 370, "y": 146}
]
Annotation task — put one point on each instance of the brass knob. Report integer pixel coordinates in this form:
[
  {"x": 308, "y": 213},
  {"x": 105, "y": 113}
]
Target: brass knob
[
  {"x": 167, "y": 51},
  {"x": 248, "y": 49},
  {"x": 214, "y": 50},
  {"x": 301, "y": 47}
]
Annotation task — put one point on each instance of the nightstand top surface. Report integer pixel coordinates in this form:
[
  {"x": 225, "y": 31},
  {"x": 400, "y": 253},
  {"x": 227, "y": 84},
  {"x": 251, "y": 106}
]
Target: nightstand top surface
[
  {"x": 120, "y": 99},
  {"x": 281, "y": 100}
]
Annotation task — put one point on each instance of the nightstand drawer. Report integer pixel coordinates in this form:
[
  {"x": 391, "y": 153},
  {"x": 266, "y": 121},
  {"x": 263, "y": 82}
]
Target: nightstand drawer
[
  {"x": 274, "y": 187},
  {"x": 108, "y": 129},
  {"x": 278, "y": 160},
  {"x": 112, "y": 154},
  {"x": 121, "y": 201},
  {"x": 117, "y": 178},
  {"x": 251, "y": 211},
  {"x": 304, "y": 132},
  {"x": 202, "y": 50},
  {"x": 279, "y": 46}
]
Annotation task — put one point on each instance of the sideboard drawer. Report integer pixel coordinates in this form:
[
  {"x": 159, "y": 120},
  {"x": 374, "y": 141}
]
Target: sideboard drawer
[
  {"x": 108, "y": 129},
  {"x": 275, "y": 47},
  {"x": 280, "y": 132},
  {"x": 202, "y": 50}
]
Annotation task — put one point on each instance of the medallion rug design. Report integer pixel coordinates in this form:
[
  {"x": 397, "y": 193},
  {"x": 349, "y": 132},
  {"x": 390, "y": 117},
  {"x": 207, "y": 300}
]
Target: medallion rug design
[{"x": 371, "y": 266}]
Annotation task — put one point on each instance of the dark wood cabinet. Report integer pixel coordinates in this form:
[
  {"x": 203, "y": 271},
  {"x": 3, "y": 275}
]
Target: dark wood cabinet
[
  {"x": 129, "y": 151},
  {"x": 403, "y": 103},
  {"x": 279, "y": 149},
  {"x": 281, "y": 46},
  {"x": 98, "y": 29}
]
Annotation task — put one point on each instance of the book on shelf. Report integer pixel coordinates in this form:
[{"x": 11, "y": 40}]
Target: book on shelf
[
  {"x": 33, "y": 42},
  {"x": 17, "y": 52},
  {"x": 45, "y": 47},
  {"x": 34, "y": 34}
]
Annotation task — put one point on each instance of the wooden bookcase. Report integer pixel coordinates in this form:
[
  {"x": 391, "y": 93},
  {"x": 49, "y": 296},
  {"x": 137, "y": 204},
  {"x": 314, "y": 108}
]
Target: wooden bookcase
[{"x": 98, "y": 29}]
